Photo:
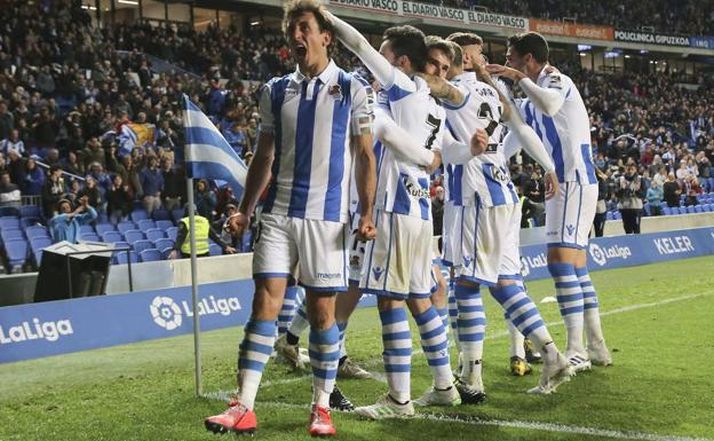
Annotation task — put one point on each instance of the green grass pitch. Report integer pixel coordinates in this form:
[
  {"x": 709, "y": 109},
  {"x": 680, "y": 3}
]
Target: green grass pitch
[{"x": 657, "y": 320}]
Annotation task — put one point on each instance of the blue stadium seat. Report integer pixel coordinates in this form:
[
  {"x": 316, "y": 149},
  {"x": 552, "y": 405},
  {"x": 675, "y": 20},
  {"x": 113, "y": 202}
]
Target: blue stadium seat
[
  {"x": 141, "y": 245},
  {"x": 121, "y": 244},
  {"x": 36, "y": 231},
  {"x": 121, "y": 257},
  {"x": 30, "y": 211},
  {"x": 166, "y": 252},
  {"x": 37, "y": 255},
  {"x": 38, "y": 243},
  {"x": 164, "y": 224},
  {"x": 7, "y": 222},
  {"x": 11, "y": 233},
  {"x": 112, "y": 236},
  {"x": 690, "y": 209},
  {"x": 126, "y": 226},
  {"x": 16, "y": 254},
  {"x": 666, "y": 210},
  {"x": 246, "y": 240},
  {"x": 139, "y": 214},
  {"x": 676, "y": 210},
  {"x": 146, "y": 224},
  {"x": 172, "y": 232},
  {"x": 215, "y": 249},
  {"x": 698, "y": 209},
  {"x": 609, "y": 216},
  {"x": 161, "y": 214},
  {"x": 161, "y": 244},
  {"x": 29, "y": 221},
  {"x": 102, "y": 228},
  {"x": 617, "y": 215},
  {"x": 707, "y": 208},
  {"x": 132, "y": 236},
  {"x": 89, "y": 237},
  {"x": 86, "y": 229},
  {"x": 150, "y": 255},
  {"x": 154, "y": 234},
  {"x": 647, "y": 209}
]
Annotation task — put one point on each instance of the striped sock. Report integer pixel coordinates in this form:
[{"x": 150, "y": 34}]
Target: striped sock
[
  {"x": 342, "y": 327},
  {"x": 435, "y": 346},
  {"x": 591, "y": 307},
  {"x": 523, "y": 313},
  {"x": 453, "y": 314},
  {"x": 397, "y": 355},
  {"x": 471, "y": 329},
  {"x": 324, "y": 355},
  {"x": 570, "y": 300},
  {"x": 444, "y": 316},
  {"x": 287, "y": 311},
  {"x": 299, "y": 323},
  {"x": 254, "y": 352}
]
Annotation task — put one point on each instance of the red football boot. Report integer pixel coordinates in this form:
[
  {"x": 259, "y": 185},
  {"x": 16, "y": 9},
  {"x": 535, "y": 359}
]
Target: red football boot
[
  {"x": 321, "y": 422},
  {"x": 237, "y": 418}
]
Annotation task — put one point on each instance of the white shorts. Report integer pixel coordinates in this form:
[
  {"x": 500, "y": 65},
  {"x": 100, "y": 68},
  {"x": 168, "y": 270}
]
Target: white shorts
[
  {"x": 356, "y": 251},
  {"x": 319, "y": 248},
  {"x": 485, "y": 232},
  {"x": 398, "y": 263},
  {"x": 569, "y": 215},
  {"x": 451, "y": 234},
  {"x": 511, "y": 266}
]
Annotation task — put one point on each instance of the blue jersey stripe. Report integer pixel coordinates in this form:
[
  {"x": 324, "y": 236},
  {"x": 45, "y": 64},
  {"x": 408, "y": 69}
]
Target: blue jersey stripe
[
  {"x": 456, "y": 191},
  {"x": 340, "y": 118},
  {"x": 395, "y": 93},
  {"x": 552, "y": 134},
  {"x": 495, "y": 190},
  {"x": 402, "y": 203},
  {"x": 588, "y": 160},
  {"x": 423, "y": 202},
  {"x": 305, "y": 130},
  {"x": 277, "y": 96}
]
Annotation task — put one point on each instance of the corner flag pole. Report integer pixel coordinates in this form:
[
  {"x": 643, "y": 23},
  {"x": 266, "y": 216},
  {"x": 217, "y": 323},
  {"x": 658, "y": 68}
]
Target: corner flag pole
[{"x": 194, "y": 287}]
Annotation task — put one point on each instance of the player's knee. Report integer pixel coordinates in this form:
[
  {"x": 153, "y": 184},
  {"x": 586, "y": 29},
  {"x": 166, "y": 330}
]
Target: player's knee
[
  {"x": 418, "y": 306},
  {"x": 265, "y": 306}
]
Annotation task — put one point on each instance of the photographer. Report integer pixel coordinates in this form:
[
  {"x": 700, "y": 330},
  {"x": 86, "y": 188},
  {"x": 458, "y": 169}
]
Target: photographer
[
  {"x": 603, "y": 194},
  {"x": 629, "y": 201}
]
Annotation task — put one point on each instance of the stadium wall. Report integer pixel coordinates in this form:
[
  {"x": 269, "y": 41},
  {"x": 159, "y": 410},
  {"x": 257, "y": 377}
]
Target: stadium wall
[{"x": 43, "y": 329}]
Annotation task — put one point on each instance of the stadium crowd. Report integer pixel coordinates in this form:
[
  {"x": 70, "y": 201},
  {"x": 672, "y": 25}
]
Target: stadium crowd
[
  {"x": 665, "y": 16},
  {"x": 68, "y": 90}
]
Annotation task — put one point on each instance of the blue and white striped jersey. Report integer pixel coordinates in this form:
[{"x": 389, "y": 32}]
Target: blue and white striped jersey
[
  {"x": 403, "y": 187},
  {"x": 312, "y": 121},
  {"x": 484, "y": 179},
  {"x": 566, "y": 135}
]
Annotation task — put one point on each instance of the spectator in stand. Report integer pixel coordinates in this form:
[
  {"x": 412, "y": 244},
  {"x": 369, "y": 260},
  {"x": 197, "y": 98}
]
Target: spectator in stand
[
  {"x": 533, "y": 190},
  {"x": 691, "y": 189},
  {"x": 437, "y": 209},
  {"x": 7, "y": 121},
  {"x": 629, "y": 202},
  {"x": 603, "y": 194},
  {"x": 9, "y": 192},
  {"x": 34, "y": 179},
  {"x": 73, "y": 166},
  {"x": 655, "y": 196},
  {"x": 13, "y": 142},
  {"x": 672, "y": 191},
  {"x": 92, "y": 193},
  {"x": 205, "y": 199},
  {"x": 93, "y": 153},
  {"x": 152, "y": 183},
  {"x": 119, "y": 201},
  {"x": 704, "y": 169},
  {"x": 16, "y": 166},
  {"x": 174, "y": 185},
  {"x": 226, "y": 237},
  {"x": 53, "y": 191},
  {"x": 65, "y": 225},
  {"x": 203, "y": 232}
]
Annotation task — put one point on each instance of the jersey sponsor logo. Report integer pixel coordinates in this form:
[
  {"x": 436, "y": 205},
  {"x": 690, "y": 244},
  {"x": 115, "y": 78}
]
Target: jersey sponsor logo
[
  {"x": 499, "y": 174},
  {"x": 414, "y": 190},
  {"x": 329, "y": 276},
  {"x": 570, "y": 228},
  {"x": 36, "y": 329}
]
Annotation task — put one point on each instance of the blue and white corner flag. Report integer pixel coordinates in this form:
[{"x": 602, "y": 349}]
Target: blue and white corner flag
[{"x": 208, "y": 155}]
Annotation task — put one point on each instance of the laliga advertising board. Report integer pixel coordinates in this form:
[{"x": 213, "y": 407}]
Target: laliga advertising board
[{"x": 43, "y": 329}]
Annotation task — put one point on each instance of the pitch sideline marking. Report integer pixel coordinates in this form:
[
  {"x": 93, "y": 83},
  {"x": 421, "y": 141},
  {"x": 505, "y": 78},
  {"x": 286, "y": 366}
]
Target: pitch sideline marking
[
  {"x": 380, "y": 377},
  {"x": 516, "y": 424}
]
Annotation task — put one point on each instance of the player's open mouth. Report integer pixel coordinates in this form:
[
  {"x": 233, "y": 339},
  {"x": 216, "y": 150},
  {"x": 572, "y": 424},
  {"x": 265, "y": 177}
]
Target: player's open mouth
[{"x": 300, "y": 51}]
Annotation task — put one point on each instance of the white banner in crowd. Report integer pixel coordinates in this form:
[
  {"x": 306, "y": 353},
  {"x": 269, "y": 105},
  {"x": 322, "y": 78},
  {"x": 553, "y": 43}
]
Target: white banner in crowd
[{"x": 437, "y": 12}]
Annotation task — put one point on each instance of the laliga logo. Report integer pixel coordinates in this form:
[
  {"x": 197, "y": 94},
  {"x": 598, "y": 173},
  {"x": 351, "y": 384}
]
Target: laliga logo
[
  {"x": 598, "y": 254},
  {"x": 166, "y": 313}
]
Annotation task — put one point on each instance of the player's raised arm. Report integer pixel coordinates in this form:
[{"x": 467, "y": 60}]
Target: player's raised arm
[
  {"x": 455, "y": 152},
  {"x": 365, "y": 162},
  {"x": 354, "y": 41},
  {"x": 399, "y": 140},
  {"x": 443, "y": 89},
  {"x": 549, "y": 98}
]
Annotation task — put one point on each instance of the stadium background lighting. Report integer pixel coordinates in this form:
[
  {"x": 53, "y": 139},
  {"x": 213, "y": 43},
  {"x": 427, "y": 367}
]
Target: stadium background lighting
[{"x": 128, "y": 2}]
